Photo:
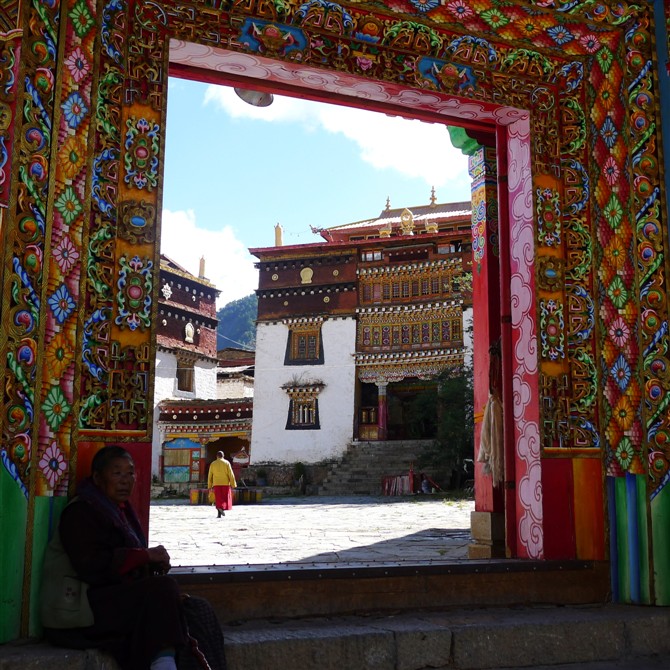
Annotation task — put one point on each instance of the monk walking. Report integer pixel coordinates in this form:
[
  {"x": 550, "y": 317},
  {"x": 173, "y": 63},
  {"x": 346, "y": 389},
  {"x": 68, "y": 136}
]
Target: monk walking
[{"x": 221, "y": 479}]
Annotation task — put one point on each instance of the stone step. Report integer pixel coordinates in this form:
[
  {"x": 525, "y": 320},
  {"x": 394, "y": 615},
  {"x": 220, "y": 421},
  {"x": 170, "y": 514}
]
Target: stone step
[
  {"x": 601, "y": 637},
  {"x": 364, "y": 464}
]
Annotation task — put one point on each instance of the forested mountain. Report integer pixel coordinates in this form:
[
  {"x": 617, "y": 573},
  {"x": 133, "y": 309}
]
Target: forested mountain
[{"x": 237, "y": 323}]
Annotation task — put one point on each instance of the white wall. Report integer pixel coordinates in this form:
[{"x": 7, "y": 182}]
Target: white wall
[
  {"x": 270, "y": 441},
  {"x": 204, "y": 383},
  {"x": 234, "y": 388},
  {"x": 165, "y": 387}
]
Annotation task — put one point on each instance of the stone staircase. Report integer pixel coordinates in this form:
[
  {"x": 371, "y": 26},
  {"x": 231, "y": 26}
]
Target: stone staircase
[
  {"x": 602, "y": 637},
  {"x": 361, "y": 468}
]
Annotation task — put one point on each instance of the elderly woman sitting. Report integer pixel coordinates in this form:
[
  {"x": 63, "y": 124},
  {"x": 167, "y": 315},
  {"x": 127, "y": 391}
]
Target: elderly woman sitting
[{"x": 136, "y": 607}]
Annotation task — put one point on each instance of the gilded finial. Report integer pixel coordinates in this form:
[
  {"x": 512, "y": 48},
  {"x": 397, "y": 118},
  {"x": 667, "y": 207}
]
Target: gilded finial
[
  {"x": 407, "y": 222},
  {"x": 388, "y": 204},
  {"x": 433, "y": 199}
]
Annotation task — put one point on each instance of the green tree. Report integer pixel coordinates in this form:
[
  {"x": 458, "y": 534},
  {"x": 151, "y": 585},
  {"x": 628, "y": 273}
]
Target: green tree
[
  {"x": 452, "y": 405},
  {"x": 237, "y": 323}
]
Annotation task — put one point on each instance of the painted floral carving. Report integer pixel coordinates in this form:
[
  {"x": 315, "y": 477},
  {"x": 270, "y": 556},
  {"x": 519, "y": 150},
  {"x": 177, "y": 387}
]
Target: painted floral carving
[
  {"x": 74, "y": 110},
  {"x": 141, "y": 157},
  {"x": 52, "y": 464},
  {"x": 55, "y": 407},
  {"x": 61, "y": 303},
  {"x": 59, "y": 355},
  {"x": 72, "y": 157},
  {"x": 68, "y": 205},
  {"x": 77, "y": 64},
  {"x": 134, "y": 294},
  {"x": 65, "y": 254}
]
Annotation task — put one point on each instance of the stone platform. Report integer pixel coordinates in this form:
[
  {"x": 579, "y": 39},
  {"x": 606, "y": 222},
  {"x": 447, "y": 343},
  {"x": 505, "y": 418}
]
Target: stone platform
[{"x": 553, "y": 638}]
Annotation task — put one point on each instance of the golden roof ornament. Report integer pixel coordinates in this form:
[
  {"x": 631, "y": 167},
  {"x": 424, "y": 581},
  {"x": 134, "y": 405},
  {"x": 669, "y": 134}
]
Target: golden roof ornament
[
  {"x": 386, "y": 229},
  {"x": 407, "y": 222}
]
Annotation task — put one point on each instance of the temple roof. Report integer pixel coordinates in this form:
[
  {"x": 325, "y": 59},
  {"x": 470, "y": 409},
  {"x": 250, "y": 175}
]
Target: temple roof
[
  {"x": 168, "y": 265},
  {"x": 437, "y": 211},
  {"x": 348, "y": 237}
]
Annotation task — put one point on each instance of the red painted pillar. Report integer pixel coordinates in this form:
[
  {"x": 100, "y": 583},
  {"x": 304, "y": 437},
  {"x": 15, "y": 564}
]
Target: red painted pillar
[
  {"x": 488, "y": 521},
  {"x": 382, "y": 411},
  {"x": 486, "y": 303},
  {"x": 506, "y": 345}
]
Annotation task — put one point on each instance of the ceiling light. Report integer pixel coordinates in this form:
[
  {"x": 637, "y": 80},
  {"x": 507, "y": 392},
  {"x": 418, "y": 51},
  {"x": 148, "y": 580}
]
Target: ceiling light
[{"x": 255, "y": 98}]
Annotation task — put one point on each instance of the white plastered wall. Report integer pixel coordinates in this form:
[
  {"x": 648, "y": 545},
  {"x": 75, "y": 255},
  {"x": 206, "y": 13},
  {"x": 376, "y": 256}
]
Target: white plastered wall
[
  {"x": 270, "y": 441},
  {"x": 165, "y": 387}
]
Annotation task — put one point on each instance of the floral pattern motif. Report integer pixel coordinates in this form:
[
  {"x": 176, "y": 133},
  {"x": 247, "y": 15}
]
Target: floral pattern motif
[
  {"x": 52, "y": 464},
  {"x": 74, "y": 110},
  {"x": 65, "y": 255},
  {"x": 611, "y": 171},
  {"x": 460, "y": 9},
  {"x": 72, "y": 157},
  {"x": 82, "y": 21},
  {"x": 425, "y": 5},
  {"x": 619, "y": 332},
  {"x": 59, "y": 355},
  {"x": 590, "y": 42},
  {"x": 621, "y": 372},
  {"x": 625, "y": 453},
  {"x": 55, "y": 407},
  {"x": 68, "y": 205},
  {"x": 77, "y": 64},
  {"x": 61, "y": 303},
  {"x": 560, "y": 34}
]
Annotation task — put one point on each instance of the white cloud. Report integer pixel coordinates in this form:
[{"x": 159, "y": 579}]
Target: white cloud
[
  {"x": 412, "y": 148},
  {"x": 228, "y": 263}
]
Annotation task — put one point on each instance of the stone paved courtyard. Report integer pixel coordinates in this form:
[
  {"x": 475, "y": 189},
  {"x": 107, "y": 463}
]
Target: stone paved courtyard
[{"x": 314, "y": 530}]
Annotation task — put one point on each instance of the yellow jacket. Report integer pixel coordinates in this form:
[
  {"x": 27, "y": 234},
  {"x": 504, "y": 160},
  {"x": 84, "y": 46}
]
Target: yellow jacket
[{"x": 220, "y": 474}]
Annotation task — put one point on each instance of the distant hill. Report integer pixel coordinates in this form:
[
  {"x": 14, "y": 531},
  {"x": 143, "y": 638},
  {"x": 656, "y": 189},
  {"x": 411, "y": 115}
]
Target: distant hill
[{"x": 237, "y": 323}]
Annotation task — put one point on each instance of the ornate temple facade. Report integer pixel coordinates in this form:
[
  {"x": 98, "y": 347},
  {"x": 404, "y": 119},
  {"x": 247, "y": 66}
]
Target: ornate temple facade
[{"x": 351, "y": 329}]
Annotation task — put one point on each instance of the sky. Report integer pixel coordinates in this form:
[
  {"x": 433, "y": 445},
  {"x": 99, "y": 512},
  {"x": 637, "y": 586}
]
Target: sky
[{"x": 233, "y": 171}]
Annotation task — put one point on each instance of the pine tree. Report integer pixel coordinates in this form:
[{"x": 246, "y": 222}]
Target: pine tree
[{"x": 237, "y": 323}]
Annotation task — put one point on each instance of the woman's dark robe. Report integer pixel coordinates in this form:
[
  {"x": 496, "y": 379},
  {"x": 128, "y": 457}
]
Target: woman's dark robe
[{"x": 137, "y": 612}]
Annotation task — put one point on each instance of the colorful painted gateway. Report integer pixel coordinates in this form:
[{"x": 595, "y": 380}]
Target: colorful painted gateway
[{"x": 572, "y": 93}]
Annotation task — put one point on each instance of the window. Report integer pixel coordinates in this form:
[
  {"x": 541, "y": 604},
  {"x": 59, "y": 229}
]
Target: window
[
  {"x": 371, "y": 256},
  {"x": 303, "y": 406},
  {"x": 367, "y": 292},
  {"x": 446, "y": 249},
  {"x": 185, "y": 375},
  {"x": 304, "y": 345},
  {"x": 303, "y": 413}
]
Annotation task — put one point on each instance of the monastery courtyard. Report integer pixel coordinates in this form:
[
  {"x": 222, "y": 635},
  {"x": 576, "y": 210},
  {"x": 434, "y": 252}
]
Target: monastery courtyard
[{"x": 311, "y": 530}]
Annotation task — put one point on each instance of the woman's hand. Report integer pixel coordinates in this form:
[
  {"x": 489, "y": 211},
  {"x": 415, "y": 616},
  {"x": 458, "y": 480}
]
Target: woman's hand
[{"x": 159, "y": 559}]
